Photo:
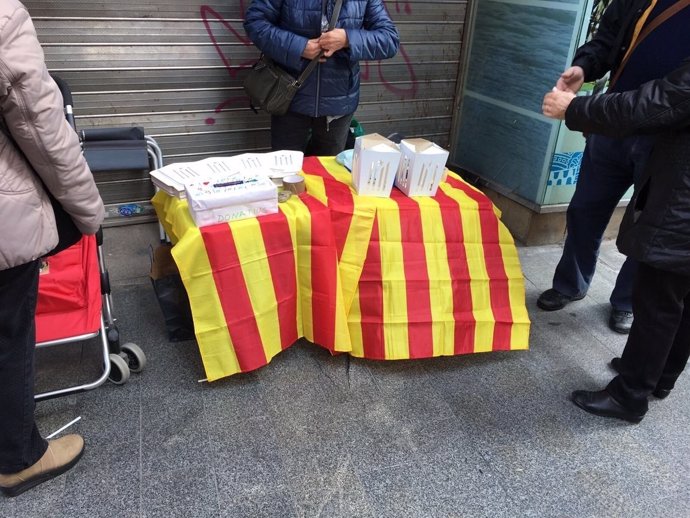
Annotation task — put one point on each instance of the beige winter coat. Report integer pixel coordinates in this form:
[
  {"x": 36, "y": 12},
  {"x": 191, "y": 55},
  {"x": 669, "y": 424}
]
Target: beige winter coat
[{"x": 31, "y": 106}]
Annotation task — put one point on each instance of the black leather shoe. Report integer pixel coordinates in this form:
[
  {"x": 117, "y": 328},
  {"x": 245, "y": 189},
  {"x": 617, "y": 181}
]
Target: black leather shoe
[
  {"x": 552, "y": 300},
  {"x": 621, "y": 321},
  {"x": 659, "y": 393},
  {"x": 602, "y": 404}
]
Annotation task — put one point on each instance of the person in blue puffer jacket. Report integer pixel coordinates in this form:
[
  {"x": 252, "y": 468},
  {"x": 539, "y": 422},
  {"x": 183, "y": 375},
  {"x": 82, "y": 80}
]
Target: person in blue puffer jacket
[{"x": 292, "y": 33}]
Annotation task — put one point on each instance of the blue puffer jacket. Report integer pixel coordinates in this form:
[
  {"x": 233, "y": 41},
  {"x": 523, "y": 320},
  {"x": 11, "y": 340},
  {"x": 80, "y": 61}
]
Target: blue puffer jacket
[{"x": 281, "y": 28}]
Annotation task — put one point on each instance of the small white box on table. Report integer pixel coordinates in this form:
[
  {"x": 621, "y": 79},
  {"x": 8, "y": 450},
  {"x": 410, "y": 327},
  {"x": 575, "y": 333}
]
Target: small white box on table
[
  {"x": 422, "y": 166},
  {"x": 374, "y": 164},
  {"x": 223, "y": 199}
]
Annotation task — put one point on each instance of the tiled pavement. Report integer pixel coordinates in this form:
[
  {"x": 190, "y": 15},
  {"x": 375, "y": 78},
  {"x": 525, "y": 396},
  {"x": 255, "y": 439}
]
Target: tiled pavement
[{"x": 311, "y": 435}]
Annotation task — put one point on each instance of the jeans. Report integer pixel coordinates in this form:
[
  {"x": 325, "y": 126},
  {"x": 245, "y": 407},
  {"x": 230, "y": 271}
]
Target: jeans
[
  {"x": 312, "y": 135},
  {"x": 21, "y": 444},
  {"x": 658, "y": 346},
  {"x": 609, "y": 167}
]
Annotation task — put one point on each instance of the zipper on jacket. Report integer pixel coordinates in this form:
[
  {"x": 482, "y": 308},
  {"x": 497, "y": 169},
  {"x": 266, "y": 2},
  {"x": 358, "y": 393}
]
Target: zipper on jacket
[
  {"x": 318, "y": 89},
  {"x": 325, "y": 15}
]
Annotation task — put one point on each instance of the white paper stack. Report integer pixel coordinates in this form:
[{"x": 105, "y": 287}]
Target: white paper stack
[
  {"x": 226, "y": 198},
  {"x": 173, "y": 178},
  {"x": 374, "y": 164},
  {"x": 421, "y": 167}
]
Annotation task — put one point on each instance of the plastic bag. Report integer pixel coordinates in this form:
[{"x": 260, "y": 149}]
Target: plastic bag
[
  {"x": 171, "y": 295},
  {"x": 356, "y": 130},
  {"x": 345, "y": 159}
]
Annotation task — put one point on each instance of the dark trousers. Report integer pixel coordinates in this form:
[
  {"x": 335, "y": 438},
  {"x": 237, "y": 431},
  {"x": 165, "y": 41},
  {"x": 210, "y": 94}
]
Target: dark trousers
[
  {"x": 658, "y": 346},
  {"x": 21, "y": 444},
  {"x": 609, "y": 168},
  {"x": 315, "y": 136}
]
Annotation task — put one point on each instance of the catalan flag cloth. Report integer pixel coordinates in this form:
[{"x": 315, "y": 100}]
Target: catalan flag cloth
[
  {"x": 378, "y": 278},
  {"x": 432, "y": 277},
  {"x": 257, "y": 285}
]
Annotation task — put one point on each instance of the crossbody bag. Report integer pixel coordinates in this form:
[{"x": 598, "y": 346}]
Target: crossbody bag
[{"x": 270, "y": 88}]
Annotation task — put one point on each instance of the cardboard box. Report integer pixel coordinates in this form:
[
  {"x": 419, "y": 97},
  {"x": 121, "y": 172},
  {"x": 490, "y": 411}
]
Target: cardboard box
[
  {"x": 422, "y": 167},
  {"x": 374, "y": 164},
  {"x": 239, "y": 196}
]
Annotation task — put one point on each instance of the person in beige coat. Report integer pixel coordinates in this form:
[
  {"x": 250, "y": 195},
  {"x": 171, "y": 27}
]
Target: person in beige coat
[{"x": 38, "y": 151}]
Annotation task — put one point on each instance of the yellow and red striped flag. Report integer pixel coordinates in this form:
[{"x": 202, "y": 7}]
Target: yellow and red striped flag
[
  {"x": 257, "y": 285},
  {"x": 425, "y": 276},
  {"x": 380, "y": 278}
]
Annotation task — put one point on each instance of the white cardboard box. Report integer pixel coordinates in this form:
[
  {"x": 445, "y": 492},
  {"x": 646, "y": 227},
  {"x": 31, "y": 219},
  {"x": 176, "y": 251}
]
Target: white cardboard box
[
  {"x": 422, "y": 167},
  {"x": 374, "y": 164},
  {"x": 223, "y": 199}
]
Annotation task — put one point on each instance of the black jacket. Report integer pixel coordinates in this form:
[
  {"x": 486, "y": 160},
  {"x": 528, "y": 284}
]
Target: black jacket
[
  {"x": 605, "y": 51},
  {"x": 656, "y": 226}
]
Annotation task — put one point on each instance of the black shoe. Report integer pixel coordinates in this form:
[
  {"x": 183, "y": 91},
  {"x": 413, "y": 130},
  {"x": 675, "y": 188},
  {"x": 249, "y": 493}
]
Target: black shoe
[
  {"x": 659, "y": 393},
  {"x": 602, "y": 404},
  {"x": 552, "y": 300},
  {"x": 621, "y": 321}
]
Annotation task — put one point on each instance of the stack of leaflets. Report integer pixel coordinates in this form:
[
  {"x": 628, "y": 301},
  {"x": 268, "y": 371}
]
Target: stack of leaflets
[{"x": 173, "y": 178}]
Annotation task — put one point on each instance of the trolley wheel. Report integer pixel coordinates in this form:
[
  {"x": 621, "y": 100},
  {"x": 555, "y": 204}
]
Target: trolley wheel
[
  {"x": 119, "y": 370},
  {"x": 136, "y": 359}
]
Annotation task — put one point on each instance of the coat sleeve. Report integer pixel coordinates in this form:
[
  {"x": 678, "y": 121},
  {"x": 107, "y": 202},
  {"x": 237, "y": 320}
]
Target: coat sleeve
[
  {"x": 33, "y": 110},
  {"x": 595, "y": 56},
  {"x": 657, "y": 106},
  {"x": 261, "y": 22},
  {"x": 377, "y": 39}
]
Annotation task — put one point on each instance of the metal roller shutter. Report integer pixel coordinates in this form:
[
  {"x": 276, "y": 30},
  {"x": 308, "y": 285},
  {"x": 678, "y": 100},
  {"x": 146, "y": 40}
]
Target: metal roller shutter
[{"x": 176, "y": 67}]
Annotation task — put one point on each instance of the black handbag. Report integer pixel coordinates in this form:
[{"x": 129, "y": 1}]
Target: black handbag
[{"x": 270, "y": 88}]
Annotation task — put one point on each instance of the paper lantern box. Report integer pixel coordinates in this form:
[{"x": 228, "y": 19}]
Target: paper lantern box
[
  {"x": 374, "y": 164},
  {"x": 239, "y": 196},
  {"x": 422, "y": 167}
]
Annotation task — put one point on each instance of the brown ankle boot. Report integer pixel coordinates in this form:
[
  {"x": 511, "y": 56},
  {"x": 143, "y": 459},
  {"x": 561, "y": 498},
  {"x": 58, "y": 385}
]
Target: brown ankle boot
[{"x": 61, "y": 455}]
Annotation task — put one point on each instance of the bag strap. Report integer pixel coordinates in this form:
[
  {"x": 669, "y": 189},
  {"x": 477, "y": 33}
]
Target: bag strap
[
  {"x": 656, "y": 22},
  {"x": 310, "y": 68}
]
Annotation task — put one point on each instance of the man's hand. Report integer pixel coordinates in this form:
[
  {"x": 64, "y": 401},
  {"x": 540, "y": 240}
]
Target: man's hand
[
  {"x": 312, "y": 49},
  {"x": 333, "y": 41},
  {"x": 556, "y": 103},
  {"x": 571, "y": 80}
]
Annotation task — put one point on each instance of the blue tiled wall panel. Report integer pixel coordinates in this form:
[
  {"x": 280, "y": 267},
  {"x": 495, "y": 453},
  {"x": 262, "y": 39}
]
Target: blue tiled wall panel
[
  {"x": 518, "y": 51},
  {"x": 505, "y": 147}
]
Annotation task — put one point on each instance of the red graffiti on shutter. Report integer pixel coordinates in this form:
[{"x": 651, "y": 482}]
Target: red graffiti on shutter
[
  {"x": 207, "y": 14},
  {"x": 406, "y": 7}
]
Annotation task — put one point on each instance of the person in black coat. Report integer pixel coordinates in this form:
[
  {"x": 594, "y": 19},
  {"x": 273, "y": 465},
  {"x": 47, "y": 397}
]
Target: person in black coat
[
  {"x": 610, "y": 165},
  {"x": 655, "y": 231}
]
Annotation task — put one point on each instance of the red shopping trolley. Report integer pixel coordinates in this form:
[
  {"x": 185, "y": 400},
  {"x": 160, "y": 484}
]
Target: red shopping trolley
[{"x": 75, "y": 304}]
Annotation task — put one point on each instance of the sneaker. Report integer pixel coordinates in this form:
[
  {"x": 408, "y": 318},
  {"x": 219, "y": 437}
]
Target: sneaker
[
  {"x": 61, "y": 455},
  {"x": 552, "y": 300},
  {"x": 621, "y": 321}
]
